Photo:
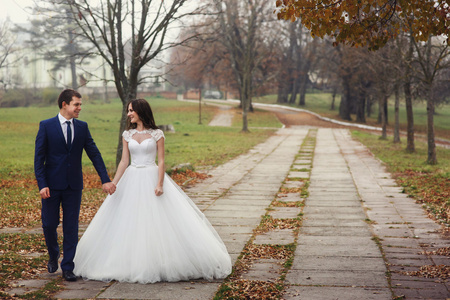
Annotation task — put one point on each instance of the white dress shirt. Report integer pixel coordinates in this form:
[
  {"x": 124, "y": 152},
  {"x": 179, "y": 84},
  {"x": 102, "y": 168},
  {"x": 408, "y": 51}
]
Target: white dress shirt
[{"x": 62, "y": 121}]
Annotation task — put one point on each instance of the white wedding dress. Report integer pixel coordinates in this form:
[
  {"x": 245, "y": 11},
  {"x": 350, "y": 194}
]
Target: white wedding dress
[{"x": 139, "y": 237}]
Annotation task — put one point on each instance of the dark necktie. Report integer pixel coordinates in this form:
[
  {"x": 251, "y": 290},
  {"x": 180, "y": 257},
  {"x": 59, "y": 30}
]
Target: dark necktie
[{"x": 69, "y": 135}]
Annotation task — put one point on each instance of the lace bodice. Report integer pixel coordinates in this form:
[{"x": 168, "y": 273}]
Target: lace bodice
[{"x": 142, "y": 145}]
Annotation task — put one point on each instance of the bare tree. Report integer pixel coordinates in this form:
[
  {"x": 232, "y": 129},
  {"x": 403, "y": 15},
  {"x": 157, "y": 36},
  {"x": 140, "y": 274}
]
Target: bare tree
[
  {"x": 241, "y": 24},
  {"x": 129, "y": 34},
  {"x": 53, "y": 35},
  {"x": 432, "y": 57}
]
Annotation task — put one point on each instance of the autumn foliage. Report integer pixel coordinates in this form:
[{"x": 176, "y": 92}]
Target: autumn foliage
[{"x": 368, "y": 22}]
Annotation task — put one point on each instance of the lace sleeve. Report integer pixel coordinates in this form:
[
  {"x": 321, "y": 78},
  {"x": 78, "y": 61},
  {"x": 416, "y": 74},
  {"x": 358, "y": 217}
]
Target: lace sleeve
[
  {"x": 127, "y": 136},
  {"x": 157, "y": 134}
]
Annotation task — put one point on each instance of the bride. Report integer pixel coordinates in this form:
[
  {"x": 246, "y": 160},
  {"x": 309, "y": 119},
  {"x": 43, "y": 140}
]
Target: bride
[{"x": 148, "y": 230}]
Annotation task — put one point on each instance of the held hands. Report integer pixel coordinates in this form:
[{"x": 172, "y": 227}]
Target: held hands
[
  {"x": 159, "y": 190},
  {"x": 109, "y": 188}
]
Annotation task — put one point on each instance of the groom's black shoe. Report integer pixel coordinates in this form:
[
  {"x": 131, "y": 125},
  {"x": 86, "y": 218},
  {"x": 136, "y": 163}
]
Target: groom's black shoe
[
  {"x": 69, "y": 276},
  {"x": 52, "y": 265}
]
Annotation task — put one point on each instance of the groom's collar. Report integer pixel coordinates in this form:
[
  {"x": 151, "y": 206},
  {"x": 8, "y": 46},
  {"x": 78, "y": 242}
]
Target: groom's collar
[{"x": 63, "y": 120}]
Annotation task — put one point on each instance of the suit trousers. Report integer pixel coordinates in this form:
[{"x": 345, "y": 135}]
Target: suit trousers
[{"x": 70, "y": 201}]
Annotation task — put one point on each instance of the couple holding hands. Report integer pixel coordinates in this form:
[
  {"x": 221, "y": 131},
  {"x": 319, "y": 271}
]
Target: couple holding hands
[{"x": 147, "y": 229}]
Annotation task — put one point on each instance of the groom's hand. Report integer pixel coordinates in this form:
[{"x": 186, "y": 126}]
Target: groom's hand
[
  {"x": 109, "y": 188},
  {"x": 45, "y": 193}
]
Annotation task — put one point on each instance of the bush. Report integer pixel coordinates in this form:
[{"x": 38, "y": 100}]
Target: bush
[
  {"x": 17, "y": 98},
  {"x": 50, "y": 96}
]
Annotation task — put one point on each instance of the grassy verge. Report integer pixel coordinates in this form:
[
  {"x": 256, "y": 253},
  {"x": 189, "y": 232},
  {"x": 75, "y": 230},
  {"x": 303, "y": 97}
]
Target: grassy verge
[{"x": 429, "y": 185}]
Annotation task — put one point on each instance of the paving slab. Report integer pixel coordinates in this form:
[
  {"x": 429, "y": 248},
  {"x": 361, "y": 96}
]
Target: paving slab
[
  {"x": 246, "y": 208},
  {"x": 344, "y": 211},
  {"x": 275, "y": 237},
  {"x": 289, "y": 197},
  {"x": 264, "y": 270},
  {"x": 22, "y": 287},
  {"x": 337, "y": 278},
  {"x": 349, "y": 250},
  {"x": 285, "y": 212},
  {"x": 331, "y": 222},
  {"x": 314, "y": 202},
  {"x": 333, "y": 196},
  {"x": 296, "y": 174},
  {"x": 431, "y": 291},
  {"x": 336, "y": 293},
  {"x": 336, "y": 230},
  {"x": 193, "y": 290},
  {"x": 293, "y": 184},
  {"x": 339, "y": 263},
  {"x": 234, "y": 214},
  {"x": 221, "y": 221},
  {"x": 302, "y": 162},
  {"x": 322, "y": 241}
]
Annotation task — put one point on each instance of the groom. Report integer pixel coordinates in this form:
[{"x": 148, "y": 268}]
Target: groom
[{"x": 57, "y": 165}]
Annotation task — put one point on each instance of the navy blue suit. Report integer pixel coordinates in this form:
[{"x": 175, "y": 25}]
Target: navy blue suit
[{"x": 59, "y": 168}]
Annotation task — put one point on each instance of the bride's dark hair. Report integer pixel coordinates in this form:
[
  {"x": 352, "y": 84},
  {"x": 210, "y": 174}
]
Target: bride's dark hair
[{"x": 144, "y": 111}]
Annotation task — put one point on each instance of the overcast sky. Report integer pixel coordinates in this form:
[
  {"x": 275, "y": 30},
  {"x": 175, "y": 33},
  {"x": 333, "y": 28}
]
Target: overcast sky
[{"x": 15, "y": 10}]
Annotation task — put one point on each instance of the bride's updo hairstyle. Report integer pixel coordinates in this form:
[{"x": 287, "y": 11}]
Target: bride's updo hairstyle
[{"x": 142, "y": 108}]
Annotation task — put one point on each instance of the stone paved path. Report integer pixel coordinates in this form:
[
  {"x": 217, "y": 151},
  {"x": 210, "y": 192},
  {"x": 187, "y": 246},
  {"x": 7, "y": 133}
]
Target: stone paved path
[
  {"x": 224, "y": 117},
  {"x": 359, "y": 232}
]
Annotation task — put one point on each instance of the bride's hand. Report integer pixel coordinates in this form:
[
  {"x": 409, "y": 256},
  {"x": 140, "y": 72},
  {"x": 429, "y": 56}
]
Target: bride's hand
[{"x": 159, "y": 191}]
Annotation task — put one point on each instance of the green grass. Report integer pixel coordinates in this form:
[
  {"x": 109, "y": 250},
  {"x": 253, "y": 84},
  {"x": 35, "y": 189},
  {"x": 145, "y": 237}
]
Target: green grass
[
  {"x": 399, "y": 160},
  {"x": 321, "y": 102}
]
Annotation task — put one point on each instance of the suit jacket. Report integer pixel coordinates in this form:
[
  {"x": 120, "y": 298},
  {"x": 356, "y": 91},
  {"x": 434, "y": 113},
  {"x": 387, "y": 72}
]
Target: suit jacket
[{"x": 58, "y": 167}]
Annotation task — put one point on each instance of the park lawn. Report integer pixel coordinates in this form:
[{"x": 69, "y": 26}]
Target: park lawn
[
  {"x": 428, "y": 184},
  {"x": 321, "y": 102}
]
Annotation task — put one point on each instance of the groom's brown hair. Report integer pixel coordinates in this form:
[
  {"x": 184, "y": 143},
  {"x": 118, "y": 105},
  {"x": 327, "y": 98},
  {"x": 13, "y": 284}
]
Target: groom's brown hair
[{"x": 66, "y": 96}]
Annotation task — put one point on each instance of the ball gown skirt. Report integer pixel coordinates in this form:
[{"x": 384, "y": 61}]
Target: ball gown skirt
[{"x": 139, "y": 237}]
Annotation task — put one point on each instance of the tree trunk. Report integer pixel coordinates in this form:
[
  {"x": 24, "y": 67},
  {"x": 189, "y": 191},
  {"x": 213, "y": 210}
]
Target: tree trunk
[
  {"x": 294, "y": 89},
  {"x": 397, "y": 117},
  {"x": 410, "y": 146},
  {"x": 123, "y": 123},
  {"x": 245, "y": 101},
  {"x": 369, "y": 106},
  {"x": 303, "y": 83},
  {"x": 432, "y": 160},
  {"x": 282, "y": 96},
  {"x": 125, "y": 98},
  {"x": 333, "y": 99},
  {"x": 344, "y": 107},
  {"x": 360, "y": 110},
  {"x": 383, "y": 117},
  {"x": 200, "y": 106},
  {"x": 73, "y": 67}
]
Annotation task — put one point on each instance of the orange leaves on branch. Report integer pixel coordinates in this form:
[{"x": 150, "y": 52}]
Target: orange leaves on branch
[{"x": 368, "y": 22}]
